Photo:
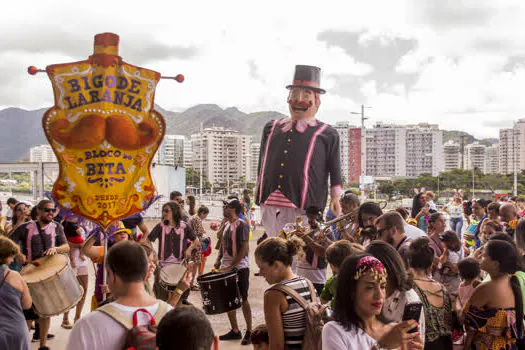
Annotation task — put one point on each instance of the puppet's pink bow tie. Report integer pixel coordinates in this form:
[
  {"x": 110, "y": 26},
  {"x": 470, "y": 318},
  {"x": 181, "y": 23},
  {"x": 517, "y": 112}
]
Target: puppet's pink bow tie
[{"x": 300, "y": 125}]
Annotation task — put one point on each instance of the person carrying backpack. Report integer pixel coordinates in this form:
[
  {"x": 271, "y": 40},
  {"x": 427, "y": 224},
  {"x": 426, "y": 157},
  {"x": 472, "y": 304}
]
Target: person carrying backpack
[
  {"x": 128, "y": 321},
  {"x": 292, "y": 311}
]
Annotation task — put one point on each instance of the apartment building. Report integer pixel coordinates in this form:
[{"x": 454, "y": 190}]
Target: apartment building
[
  {"x": 255, "y": 149},
  {"x": 224, "y": 153},
  {"x": 42, "y": 153},
  {"x": 492, "y": 160},
  {"x": 512, "y": 148},
  {"x": 171, "y": 151},
  {"x": 424, "y": 150},
  {"x": 451, "y": 156},
  {"x": 475, "y": 156},
  {"x": 355, "y": 154},
  {"x": 386, "y": 150}
]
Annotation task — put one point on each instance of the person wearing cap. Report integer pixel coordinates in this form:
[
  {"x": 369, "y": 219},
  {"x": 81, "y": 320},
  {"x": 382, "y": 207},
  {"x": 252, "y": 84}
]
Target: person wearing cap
[
  {"x": 298, "y": 156},
  {"x": 94, "y": 249},
  {"x": 234, "y": 252},
  {"x": 313, "y": 265}
]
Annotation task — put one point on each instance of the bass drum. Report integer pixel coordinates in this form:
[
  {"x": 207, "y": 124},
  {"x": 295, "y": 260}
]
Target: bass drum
[
  {"x": 220, "y": 292},
  {"x": 53, "y": 285}
]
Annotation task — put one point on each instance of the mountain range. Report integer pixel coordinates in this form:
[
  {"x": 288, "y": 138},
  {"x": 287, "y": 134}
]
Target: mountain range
[{"x": 22, "y": 129}]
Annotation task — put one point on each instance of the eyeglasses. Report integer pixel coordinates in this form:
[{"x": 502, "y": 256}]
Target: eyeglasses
[
  {"x": 48, "y": 210},
  {"x": 380, "y": 231}
]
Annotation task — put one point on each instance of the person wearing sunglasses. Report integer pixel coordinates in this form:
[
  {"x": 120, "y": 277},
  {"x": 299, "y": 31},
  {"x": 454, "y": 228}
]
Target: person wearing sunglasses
[
  {"x": 391, "y": 229},
  {"x": 38, "y": 238}
]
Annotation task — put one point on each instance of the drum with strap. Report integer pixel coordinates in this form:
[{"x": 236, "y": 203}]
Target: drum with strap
[
  {"x": 220, "y": 292},
  {"x": 53, "y": 285},
  {"x": 170, "y": 275}
]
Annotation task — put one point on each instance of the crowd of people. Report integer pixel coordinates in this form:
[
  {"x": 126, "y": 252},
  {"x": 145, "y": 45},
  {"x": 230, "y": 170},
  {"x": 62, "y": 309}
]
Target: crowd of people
[{"x": 470, "y": 284}]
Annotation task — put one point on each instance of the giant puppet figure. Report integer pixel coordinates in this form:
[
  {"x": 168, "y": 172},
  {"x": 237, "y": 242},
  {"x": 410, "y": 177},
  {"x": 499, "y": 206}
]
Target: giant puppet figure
[
  {"x": 104, "y": 132},
  {"x": 298, "y": 156}
]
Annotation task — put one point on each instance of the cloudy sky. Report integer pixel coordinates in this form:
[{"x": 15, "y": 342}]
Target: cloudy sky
[{"x": 459, "y": 63}]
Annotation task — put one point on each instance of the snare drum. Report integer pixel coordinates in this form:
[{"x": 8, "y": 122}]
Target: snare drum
[
  {"x": 220, "y": 292},
  {"x": 53, "y": 285},
  {"x": 170, "y": 275}
]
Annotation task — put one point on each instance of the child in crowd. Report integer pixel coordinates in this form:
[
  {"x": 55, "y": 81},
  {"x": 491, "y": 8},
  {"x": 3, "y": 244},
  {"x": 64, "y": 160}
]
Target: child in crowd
[
  {"x": 335, "y": 254},
  {"x": 253, "y": 219},
  {"x": 469, "y": 273},
  {"x": 451, "y": 256},
  {"x": 260, "y": 338},
  {"x": 430, "y": 200},
  {"x": 74, "y": 237}
]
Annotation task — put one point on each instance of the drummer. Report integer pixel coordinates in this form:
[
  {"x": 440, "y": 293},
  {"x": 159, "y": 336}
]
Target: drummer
[
  {"x": 173, "y": 235},
  {"x": 39, "y": 238},
  {"x": 234, "y": 252},
  {"x": 94, "y": 248}
]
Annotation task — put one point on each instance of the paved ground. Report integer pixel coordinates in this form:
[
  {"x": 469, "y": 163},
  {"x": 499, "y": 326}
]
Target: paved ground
[{"x": 220, "y": 322}]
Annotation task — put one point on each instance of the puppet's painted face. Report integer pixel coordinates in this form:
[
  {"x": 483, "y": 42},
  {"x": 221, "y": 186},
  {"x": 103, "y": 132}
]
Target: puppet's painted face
[{"x": 303, "y": 103}]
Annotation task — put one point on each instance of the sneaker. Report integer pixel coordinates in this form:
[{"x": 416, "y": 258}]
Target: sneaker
[
  {"x": 231, "y": 335},
  {"x": 36, "y": 337},
  {"x": 247, "y": 340}
]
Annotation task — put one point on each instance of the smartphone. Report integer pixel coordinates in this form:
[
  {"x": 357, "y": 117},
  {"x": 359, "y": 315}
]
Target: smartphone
[{"x": 412, "y": 312}]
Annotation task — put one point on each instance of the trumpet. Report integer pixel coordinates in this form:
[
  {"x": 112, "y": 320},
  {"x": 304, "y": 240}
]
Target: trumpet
[{"x": 291, "y": 229}]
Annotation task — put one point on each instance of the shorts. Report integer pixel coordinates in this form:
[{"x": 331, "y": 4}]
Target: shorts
[{"x": 243, "y": 276}]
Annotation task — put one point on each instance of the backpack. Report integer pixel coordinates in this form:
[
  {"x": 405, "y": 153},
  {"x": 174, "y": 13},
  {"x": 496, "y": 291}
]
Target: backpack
[
  {"x": 138, "y": 337},
  {"x": 314, "y": 315}
]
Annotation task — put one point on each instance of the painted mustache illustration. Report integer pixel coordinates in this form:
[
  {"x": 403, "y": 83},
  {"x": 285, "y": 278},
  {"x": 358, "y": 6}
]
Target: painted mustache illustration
[{"x": 91, "y": 130}]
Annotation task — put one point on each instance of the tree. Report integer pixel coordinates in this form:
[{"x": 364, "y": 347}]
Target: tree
[
  {"x": 193, "y": 179},
  {"x": 386, "y": 187}
]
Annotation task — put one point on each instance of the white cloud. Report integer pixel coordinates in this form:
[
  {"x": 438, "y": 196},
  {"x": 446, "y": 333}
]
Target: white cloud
[{"x": 242, "y": 54}]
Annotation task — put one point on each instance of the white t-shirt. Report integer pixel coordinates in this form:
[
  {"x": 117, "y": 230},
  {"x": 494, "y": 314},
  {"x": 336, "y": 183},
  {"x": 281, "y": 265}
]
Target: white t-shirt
[
  {"x": 336, "y": 337},
  {"x": 97, "y": 330},
  {"x": 413, "y": 232}
]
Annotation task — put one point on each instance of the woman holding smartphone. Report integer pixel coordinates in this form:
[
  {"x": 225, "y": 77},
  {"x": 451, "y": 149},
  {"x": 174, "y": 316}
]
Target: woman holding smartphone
[{"x": 361, "y": 292}]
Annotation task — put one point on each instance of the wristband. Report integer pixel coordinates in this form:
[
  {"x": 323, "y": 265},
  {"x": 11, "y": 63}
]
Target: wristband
[{"x": 179, "y": 291}]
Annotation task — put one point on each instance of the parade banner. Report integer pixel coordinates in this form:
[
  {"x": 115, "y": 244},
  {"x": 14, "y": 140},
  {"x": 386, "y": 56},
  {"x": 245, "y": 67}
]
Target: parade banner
[{"x": 104, "y": 131}]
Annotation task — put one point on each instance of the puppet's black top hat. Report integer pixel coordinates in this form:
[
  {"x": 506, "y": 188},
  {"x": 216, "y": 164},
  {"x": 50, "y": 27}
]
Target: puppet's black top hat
[{"x": 308, "y": 77}]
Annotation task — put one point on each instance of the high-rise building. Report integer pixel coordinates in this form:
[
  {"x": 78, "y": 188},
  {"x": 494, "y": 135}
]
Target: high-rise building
[
  {"x": 255, "y": 148},
  {"x": 171, "y": 151},
  {"x": 512, "y": 148},
  {"x": 225, "y": 154},
  {"x": 354, "y": 155},
  {"x": 187, "y": 154},
  {"x": 424, "y": 150},
  {"x": 386, "y": 150},
  {"x": 344, "y": 130},
  {"x": 451, "y": 156},
  {"x": 492, "y": 160},
  {"x": 42, "y": 153},
  {"x": 404, "y": 150},
  {"x": 475, "y": 156}
]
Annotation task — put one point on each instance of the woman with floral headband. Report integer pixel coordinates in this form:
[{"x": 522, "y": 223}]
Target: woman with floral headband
[{"x": 361, "y": 292}]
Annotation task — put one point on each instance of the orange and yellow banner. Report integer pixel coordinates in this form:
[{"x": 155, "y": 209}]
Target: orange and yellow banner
[{"x": 104, "y": 132}]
